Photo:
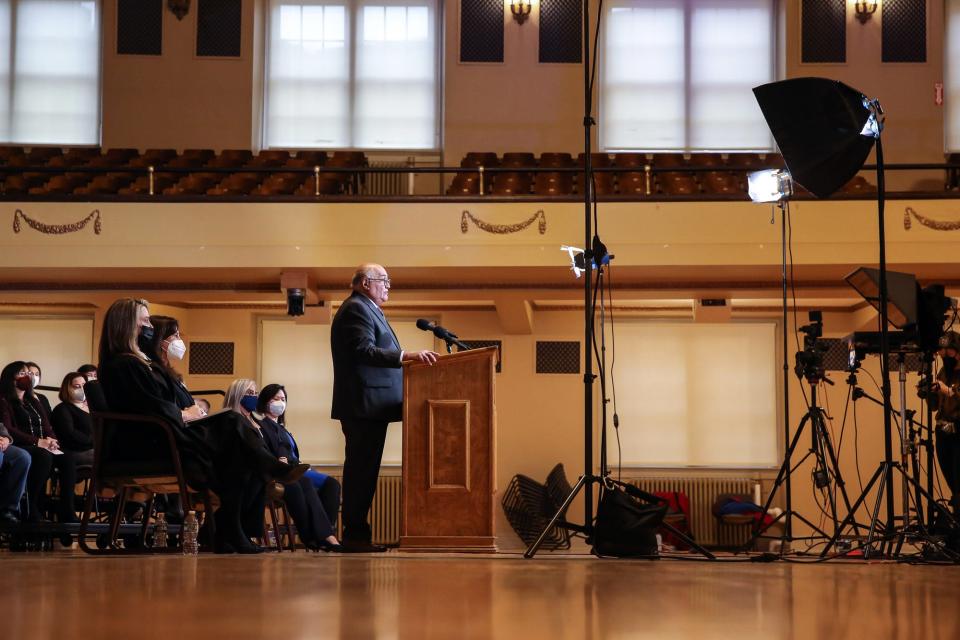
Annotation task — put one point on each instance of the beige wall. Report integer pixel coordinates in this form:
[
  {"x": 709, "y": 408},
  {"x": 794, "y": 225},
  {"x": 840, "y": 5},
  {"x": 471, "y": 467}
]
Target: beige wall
[{"x": 179, "y": 100}]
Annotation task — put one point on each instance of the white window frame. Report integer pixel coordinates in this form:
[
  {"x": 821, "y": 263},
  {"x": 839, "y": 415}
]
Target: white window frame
[
  {"x": 775, "y": 68},
  {"x": 353, "y": 11},
  {"x": 12, "y": 115}
]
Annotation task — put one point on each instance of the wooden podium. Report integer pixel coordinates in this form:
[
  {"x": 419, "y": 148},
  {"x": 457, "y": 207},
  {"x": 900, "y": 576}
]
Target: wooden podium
[{"x": 449, "y": 461}]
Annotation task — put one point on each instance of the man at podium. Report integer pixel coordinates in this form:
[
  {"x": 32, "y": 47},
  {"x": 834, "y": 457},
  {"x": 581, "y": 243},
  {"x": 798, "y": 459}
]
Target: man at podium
[{"x": 367, "y": 394}]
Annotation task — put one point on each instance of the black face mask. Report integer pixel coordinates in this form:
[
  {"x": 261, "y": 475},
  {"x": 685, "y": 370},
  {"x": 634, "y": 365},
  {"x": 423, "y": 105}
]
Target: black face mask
[
  {"x": 949, "y": 363},
  {"x": 145, "y": 339}
]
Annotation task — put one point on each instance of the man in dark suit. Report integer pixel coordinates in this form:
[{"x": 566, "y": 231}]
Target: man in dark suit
[{"x": 367, "y": 394}]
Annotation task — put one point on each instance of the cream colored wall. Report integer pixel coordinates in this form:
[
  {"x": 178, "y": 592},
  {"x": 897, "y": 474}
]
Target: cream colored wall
[
  {"x": 516, "y": 105},
  {"x": 229, "y": 235},
  {"x": 178, "y": 100},
  {"x": 914, "y": 123}
]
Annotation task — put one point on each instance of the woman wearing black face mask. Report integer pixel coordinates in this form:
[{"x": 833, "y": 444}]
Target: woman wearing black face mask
[
  {"x": 219, "y": 451},
  {"x": 29, "y": 424},
  {"x": 946, "y": 401}
]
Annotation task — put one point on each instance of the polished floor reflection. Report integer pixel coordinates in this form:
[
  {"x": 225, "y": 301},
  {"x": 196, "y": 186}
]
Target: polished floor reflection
[{"x": 291, "y": 596}]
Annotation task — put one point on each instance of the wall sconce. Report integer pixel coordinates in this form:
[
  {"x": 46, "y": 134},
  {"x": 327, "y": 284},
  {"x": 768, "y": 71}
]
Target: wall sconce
[
  {"x": 178, "y": 8},
  {"x": 520, "y": 10},
  {"x": 864, "y": 9}
]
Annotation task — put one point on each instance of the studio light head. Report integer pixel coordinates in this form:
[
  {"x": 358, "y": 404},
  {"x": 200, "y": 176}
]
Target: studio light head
[
  {"x": 296, "y": 302},
  {"x": 824, "y": 129},
  {"x": 770, "y": 185}
]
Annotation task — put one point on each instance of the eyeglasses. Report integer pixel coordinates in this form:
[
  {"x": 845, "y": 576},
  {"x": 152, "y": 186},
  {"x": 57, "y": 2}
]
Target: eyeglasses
[{"x": 384, "y": 280}]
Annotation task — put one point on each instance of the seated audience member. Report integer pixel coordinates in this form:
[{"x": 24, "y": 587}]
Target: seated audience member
[
  {"x": 165, "y": 348},
  {"x": 14, "y": 467},
  {"x": 203, "y": 404},
  {"x": 314, "y": 525},
  {"x": 242, "y": 398},
  {"x": 326, "y": 486},
  {"x": 29, "y": 424},
  {"x": 71, "y": 419},
  {"x": 219, "y": 451},
  {"x": 89, "y": 371},
  {"x": 34, "y": 369}
]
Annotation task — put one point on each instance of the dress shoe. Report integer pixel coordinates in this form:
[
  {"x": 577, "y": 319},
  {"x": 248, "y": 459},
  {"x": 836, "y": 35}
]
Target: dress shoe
[
  {"x": 9, "y": 518},
  {"x": 360, "y": 546},
  {"x": 293, "y": 473},
  {"x": 327, "y": 547}
]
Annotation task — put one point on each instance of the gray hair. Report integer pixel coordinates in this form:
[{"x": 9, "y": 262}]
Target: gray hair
[{"x": 367, "y": 270}]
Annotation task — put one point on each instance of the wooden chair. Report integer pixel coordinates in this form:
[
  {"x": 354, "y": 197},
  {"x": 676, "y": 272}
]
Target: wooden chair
[
  {"x": 553, "y": 184},
  {"x": 464, "y": 184},
  {"x": 230, "y": 158},
  {"x": 278, "y": 508},
  {"x": 633, "y": 183},
  {"x": 552, "y": 159},
  {"x": 153, "y": 477}
]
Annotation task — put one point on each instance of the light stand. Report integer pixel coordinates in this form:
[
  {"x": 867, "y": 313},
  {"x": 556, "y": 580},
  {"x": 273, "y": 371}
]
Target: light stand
[{"x": 588, "y": 479}]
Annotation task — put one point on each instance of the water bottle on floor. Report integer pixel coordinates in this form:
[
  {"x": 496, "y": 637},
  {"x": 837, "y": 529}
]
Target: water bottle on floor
[
  {"x": 190, "y": 530},
  {"x": 160, "y": 531}
]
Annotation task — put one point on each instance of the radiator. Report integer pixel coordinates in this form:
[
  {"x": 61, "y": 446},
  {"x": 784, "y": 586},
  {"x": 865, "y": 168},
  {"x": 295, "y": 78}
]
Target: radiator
[
  {"x": 384, "y": 183},
  {"x": 702, "y": 492},
  {"x": 385, "y": 512}
]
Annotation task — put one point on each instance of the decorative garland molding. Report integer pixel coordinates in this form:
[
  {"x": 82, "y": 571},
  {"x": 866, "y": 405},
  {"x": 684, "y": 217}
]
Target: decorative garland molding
[
  {"x": 937, "y": 225},
  {"x": 502, "y": 229},
  {"x": 56, "y": 229}
]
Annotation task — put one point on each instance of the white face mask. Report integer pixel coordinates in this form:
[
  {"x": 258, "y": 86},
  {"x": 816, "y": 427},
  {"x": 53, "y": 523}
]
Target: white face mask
[
  {"x": 176, "y": 349},
  {"x": 36, "y": 380},
  {"x": 277, "y": 407},
  {"x": 78, "y": 395}
]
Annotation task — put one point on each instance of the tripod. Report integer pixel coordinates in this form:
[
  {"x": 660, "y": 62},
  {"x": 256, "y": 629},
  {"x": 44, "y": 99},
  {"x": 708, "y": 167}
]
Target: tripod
[
  {"x": 884, "y": 474},
  {"x": 826, "y": 469},
  {"x": 603, "y": 480}
]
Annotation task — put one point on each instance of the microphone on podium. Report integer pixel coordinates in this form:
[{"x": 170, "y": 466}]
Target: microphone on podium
[{"x": 450, "y": 338}]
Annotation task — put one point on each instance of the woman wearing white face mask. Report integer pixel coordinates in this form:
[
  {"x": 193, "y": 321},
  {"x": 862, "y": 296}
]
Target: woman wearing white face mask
[
  {"x": 315, "y": 520},
  {"x": 71, "y": 419},
  {"x": 167, "y": 348}
]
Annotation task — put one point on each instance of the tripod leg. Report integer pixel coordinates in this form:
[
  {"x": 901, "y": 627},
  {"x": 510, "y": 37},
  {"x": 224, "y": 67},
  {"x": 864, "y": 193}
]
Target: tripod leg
[
  {"x": 838, "y": 478},
  {"x": 849, "y": 519},
  {"x": 688, "y": 540},
  {"x": 884, "y": 472},
  {"x": 532, "y": 549},
  {"x": 781, "y": 475}
]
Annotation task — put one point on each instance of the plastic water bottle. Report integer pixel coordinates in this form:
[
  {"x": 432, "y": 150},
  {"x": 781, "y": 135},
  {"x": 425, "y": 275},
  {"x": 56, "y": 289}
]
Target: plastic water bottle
[
  {"x": 271, "y": 537},
  {"x": 160, "y": 531},
  {"x": 190, "y": 530}
]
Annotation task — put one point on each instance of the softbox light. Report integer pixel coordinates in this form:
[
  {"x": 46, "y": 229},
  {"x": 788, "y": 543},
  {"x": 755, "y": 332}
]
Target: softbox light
[{"x": 824, "y": 129}]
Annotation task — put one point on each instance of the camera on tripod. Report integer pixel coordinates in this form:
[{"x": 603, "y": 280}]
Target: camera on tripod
[{"x": 810, "y": 360}]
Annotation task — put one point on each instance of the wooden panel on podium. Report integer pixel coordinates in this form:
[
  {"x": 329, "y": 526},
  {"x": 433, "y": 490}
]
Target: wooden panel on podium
[{"x": 449, "y": 461}]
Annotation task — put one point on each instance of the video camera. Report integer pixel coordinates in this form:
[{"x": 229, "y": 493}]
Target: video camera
[{"x": 810, "y": 359}]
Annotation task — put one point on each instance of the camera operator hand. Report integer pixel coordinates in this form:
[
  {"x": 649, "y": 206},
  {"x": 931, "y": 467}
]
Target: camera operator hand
[{"x": 943, "y": 389}]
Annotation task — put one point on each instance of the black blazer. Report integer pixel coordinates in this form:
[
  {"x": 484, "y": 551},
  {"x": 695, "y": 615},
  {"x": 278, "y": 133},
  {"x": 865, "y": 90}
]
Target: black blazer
[
  {"x": 73, "y": 426},
  {"x": 276, "y": 440},
  {"x": 367, "y": 378}
]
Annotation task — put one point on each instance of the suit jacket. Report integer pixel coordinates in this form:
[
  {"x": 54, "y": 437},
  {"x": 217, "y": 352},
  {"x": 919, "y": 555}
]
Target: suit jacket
[
  {"x": 367, "y": 378},
  {"x": 276, "y": 439}
]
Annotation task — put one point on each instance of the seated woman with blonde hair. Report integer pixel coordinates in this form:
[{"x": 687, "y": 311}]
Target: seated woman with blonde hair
[
  {"x": 219, "y": 452},
  {"x": 313, "y": 526}
]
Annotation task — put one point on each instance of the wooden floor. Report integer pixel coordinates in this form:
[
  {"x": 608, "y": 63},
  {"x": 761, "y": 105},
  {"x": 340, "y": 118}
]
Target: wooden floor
[{"x": 68, "y": 595}]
